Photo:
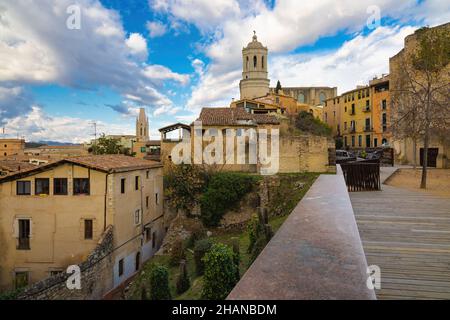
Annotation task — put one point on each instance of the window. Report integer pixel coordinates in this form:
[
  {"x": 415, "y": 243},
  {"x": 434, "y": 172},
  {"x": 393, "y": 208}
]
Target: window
[
  {"x": 42, "y": 186},
  {"x": 353, "y": 141},
  {"x": 322, "y": 98},
  {"x": 60, "y": 186},
  {"x": 137, "y": 261},
  {"x": 80, "y": 186},
  {"x": 359, "y": 141},
  {"x": 146, "y": 201},
  {"x": 21, "y": 279},
  {"x": 122, "y": 185},
  {"x": 368, "y": 141},
  {"x": 375, "y": 142},
  {"x": 88, "y": 229},
  {"x": 24, "y": 234},
  {"x": 23, "y": 188},
  {"x": 147, "y": 174},
  {"x": 353, "y": 108},
  {"x": 255, "y": 61},
  {"x": 262, "y": 62},
  {"x": 383, "y": 104},
  {"x": 120, "y": 267},
  {"x": 301, "y": 98},
  {"x": 156, "y": 198},
  {"x": 148, "y": 234},
  {"x": 137, "y": 216},
  {"x": 345, "y": 141},
  {"x": 154, "y": 239},
  {"x": 136, "y": 182}
]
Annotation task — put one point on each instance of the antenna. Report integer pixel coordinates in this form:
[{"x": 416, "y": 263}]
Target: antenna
[{"x": 94, "y": 124}]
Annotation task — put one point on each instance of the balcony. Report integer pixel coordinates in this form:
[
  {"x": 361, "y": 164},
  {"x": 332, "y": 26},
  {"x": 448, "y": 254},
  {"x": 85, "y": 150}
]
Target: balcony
[
  {"x": 352, "y": 130},
  {"x": 368, "y": 129},
  {"x": 352, "y": 112},
  {"x": 366, "y": 109}
]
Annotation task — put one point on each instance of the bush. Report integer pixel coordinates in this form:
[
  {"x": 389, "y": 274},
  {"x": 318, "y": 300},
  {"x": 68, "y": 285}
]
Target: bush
[
  {"x": 306, "y": 122},
  {"x": 159, "y": 283},
  {"x": 183, "y": 282},
  {"x": 183, "y": 186},
  {"x": 260, "y": 233},
  {"x": 236, "y": 256},
  {"x": 197, "y": 234},
  {"x": 220, "y": 272},
  {"x": 177, "y": 253},
  {"x": 225, "y": 190},
  {"x": 200, "y": 249}
]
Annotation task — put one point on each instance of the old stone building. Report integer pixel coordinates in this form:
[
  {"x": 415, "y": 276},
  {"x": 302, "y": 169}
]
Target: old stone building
[
  {"x": 10, "y": 147},
  {"x": 314, "y": 96},
  {"x": 54, "y": 215},
  {"x": 406, "y": 151},
  {"x": 255, "y": 82}
]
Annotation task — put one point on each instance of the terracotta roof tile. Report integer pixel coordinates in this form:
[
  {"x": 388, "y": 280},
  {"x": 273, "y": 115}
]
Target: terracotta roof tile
[{"x": 232, "y": 117}]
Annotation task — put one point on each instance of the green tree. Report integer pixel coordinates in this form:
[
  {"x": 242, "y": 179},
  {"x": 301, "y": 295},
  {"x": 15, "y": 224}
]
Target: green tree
[
  {"x": 200, "y": 249},
  {"x": 183, "y": 282},
  {"x": 278, "y": 87},
  {"x": 105, "y": 145},
  {"x": 159, "y": 283},
  {"x": 220, "y": 272},
  {"x": 183, "y": 186},
  {"x": 422, "y": 98},
  {"x": 306, "y": 122}
]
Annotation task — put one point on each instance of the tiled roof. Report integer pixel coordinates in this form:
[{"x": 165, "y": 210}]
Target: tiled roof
[
  {"x": 105, "y": 163},
  {"x": 112, "y": 163},
  {"x": 232, "y": 117},
  {"x": 14, "y": 165}
]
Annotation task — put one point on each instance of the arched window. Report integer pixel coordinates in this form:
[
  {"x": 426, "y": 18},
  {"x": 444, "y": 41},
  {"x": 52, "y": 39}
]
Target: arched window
[
  {"x": 246, "y": 63},
  {"x": 255, "y": 61},
  {"x": 301, "y": 98},
  {"x": 262, "y": 62},
  {"x": 322, "y": 98},
  {"x": 141, "y": 131}
]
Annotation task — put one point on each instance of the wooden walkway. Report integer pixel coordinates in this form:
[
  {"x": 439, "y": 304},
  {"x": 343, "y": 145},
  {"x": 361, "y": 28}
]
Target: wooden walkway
[{"x": 407, "y": 234}]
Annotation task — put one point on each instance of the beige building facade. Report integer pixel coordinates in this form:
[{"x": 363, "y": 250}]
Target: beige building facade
[
  {"x": 405, "y": 152},
  {"x": 10, "y": 147},
  {"x": 54, "y": 215}
]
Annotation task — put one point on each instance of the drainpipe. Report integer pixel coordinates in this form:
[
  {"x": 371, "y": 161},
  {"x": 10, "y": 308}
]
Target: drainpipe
[{"x": 106, "y": 196}]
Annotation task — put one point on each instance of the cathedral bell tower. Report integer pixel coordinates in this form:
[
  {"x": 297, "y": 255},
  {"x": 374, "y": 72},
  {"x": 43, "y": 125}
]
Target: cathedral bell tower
[
  {"x": 142, "y": 134},
  {"x": 254, "y": 81}
]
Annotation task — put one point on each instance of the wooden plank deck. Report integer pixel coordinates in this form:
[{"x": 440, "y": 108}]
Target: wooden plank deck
[{"x": 407, "y": 234}]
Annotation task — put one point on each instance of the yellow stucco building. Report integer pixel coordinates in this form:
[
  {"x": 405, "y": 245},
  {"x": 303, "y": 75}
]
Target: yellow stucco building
[{"x": 54, "y": 215}]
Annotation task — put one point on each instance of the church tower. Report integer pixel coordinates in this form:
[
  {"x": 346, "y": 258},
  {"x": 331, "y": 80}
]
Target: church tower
[
  {"x": 142, "y": 134},
  {"x": 254, "y": 81}
]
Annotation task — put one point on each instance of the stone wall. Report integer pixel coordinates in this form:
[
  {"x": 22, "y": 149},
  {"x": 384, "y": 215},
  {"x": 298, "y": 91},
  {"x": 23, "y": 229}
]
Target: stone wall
[
  {"x": 305, "y": 153},
  {"x": 96, "y": 277}
]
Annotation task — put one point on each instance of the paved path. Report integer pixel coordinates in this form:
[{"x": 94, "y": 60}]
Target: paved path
[{"x": 407, "y": 234}]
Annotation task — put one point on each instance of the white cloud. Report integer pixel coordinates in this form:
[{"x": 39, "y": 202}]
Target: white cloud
[
  {"x": 37, "y": 126},
  {"x": 156, "y": 28},
  {"x": 137, "y": 45},
  {"x": 158, "y": 72},
  {"x": 40, "y": 49},
  {"x": 355, "y": 62},
  {"x": 283, "y": 28},
  {"x": 165, "y": 110},
  {"x": 205, "y": 14}
]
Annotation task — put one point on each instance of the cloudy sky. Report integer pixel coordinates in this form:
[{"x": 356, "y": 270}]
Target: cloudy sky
[{"x": 58, "y": 73}]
